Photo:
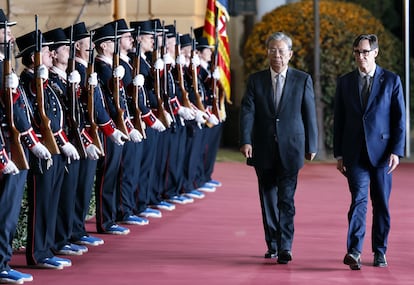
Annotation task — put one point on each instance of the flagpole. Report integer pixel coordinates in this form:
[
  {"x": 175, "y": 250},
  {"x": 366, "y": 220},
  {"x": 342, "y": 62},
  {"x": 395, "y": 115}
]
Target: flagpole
[{"x": 407, "y": 76}]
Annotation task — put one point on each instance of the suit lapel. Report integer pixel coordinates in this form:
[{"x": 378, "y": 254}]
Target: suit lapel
[
  {"x": 287, "y": 89},
  {"x": 268, "y": 90},
  {"x": 376, "y": 85}
]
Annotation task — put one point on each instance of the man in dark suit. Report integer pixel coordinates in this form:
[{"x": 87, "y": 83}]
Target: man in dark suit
[
  {"x": 369, "y": 128},
  {"x": 278, "y": 130}
]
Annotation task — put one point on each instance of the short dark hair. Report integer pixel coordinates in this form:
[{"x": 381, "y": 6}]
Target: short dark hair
[
  {"x": 27, "y": 59},
  {"x": 373, "y": 40}
]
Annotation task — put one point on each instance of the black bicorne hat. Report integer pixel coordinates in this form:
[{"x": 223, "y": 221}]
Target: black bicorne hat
[
  {"x": 3, "y": 19},
  {"x": 122, "y": 26},
  {"x": 186, "y": 40},
  {"x": 27, "y": 43},
  {"x": 170, "y": 31},
  {"x": 58, "y": 37},
  {"x": 104, "y": 33},
  {"x": 145, "y": 27},
  {"x": 79, "y": 31},
  {"x": 202, "y": 43},
  {"x": 198, "y": 32}
]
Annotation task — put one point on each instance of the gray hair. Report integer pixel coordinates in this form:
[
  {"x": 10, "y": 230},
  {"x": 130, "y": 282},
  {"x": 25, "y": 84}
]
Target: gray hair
[{"x": 279, "y": 36}]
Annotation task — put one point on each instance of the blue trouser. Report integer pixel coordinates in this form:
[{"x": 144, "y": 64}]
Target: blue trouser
[
  {"x": 361, "y": 178},
  {"x": 175, "y": 163},
  {"x": 213, "y": 139},
  {"x": 129, "y": 173},
  {"x": 44, "y": 187},
  {"x": 147, "y": 169},
  {"x": 66, "y": 209},
  {"x": 87, "y": 170},
  {"x": 193, "y": 155},
  {"x": 105, "y": 185},
  {"x": 11, "y": 195}
]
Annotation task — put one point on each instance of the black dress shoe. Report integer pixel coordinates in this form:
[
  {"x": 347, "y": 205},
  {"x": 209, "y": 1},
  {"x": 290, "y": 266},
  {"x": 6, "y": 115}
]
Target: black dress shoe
[
  {"x": 353, "y": 260},
  {"x": 380, "y": 260},
  {"x": 284, "y": 257},
  {"x": 270, "y": 254}
]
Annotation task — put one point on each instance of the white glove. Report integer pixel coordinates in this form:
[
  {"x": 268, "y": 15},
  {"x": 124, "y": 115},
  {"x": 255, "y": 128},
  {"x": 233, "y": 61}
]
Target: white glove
[
  {"x": 181, "y": 59},
  {"x": 213, "y": 120},
  {"x": 139, "y": 80},
  {"x": 216, "y": 74},
  {"x": 11, "y": 168},
  {"x": 159, "y": 64},
  {"x": 119, "y": 72},
  {"x": 168, "y": 58},
  {"x": 93, "y": 79},
  {"x": 158, "y": 126},
  {"x": 43, "y": 72},
  {"x": 135, "y": 136},
  {"x": 201, "y": 117},
  {"x": 74, "y": 77},
  {"x": 70, "y": 151},
  {"x": 12, "y": 81},
  {"x": 118, "y": 137},
  {"x": 196, "y": 60},
  {"x": 93, "y": 152},
  {"x": 40, "y": 151},
  {"x": 186, "y": 113}
]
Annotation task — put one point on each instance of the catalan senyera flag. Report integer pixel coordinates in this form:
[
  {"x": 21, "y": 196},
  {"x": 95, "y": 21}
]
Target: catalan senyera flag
[{"x": 215, "y": 24}]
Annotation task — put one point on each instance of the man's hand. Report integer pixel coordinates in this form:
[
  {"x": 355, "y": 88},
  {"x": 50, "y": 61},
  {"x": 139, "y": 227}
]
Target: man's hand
[
  {"x": 246, "y": 150},
  {"x": 393, "y": 163},
  {"x": 340, "y": 166}
]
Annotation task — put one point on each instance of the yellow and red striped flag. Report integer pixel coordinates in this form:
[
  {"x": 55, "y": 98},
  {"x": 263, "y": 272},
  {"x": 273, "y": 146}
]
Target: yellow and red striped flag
[{"x": 215, "y": 25}]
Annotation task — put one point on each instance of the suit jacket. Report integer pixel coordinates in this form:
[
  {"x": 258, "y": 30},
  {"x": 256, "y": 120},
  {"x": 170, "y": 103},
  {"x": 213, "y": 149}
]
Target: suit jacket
[
  {"x": 381, "y": 126},
  {"x": 293, "y": 125}
]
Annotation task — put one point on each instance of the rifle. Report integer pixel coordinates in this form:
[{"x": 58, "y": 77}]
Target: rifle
[
  {"x": 74, "y": 111},
  {"x": 214, "y": 85},
  {"x": 157, "y": 89},
  {"x": 166, "y": 97},
  {"x": 16, "y": 149},
  {"x": 119, "y": 118},
  {"x": 180, "y": 72},
  {"x": 93, "y": 129},
  {"x": 137, "y": 122},
  {"x": 198, "y": 103},
  {"x": 47, "y": 134}
]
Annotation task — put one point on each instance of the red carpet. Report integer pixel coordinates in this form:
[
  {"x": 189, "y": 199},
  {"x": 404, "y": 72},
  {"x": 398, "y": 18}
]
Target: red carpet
[{"x": 219, "y": 240}]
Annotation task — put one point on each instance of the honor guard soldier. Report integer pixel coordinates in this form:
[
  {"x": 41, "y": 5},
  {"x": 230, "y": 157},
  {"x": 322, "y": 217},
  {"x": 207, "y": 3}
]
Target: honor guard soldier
[
  {"x": 194, "y": 142},
  {"x": 45, "y": 175},
  {"x": 66, "y": 87},
  {"x": 149, "y": 107},
  {"x": 83, "y": 48},
  {"x": 209, "y": 79},
  {"x": 183, "y": 111},
  {"x": 14, "y": 122},
  {"x": 132, "y": 151},
  {"x": 110, "y": 75}
]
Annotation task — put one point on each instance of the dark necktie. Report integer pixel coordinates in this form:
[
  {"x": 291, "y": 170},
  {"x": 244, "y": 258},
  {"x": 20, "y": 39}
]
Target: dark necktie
[
  {"x": 278, "y": 90},
  {"x": 365, "y": 90}
]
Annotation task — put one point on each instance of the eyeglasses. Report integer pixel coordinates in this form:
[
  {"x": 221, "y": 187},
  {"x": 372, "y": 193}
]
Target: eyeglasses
[
  {"x": 364, "y": 52},
  {"x": 282, "y": 52}
]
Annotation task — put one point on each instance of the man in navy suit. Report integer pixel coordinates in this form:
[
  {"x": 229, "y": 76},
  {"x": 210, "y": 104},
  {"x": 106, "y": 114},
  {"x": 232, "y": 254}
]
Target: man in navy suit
[
  {"x": 369, "y": 128},
  {"x": 278, "y": 129}
]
